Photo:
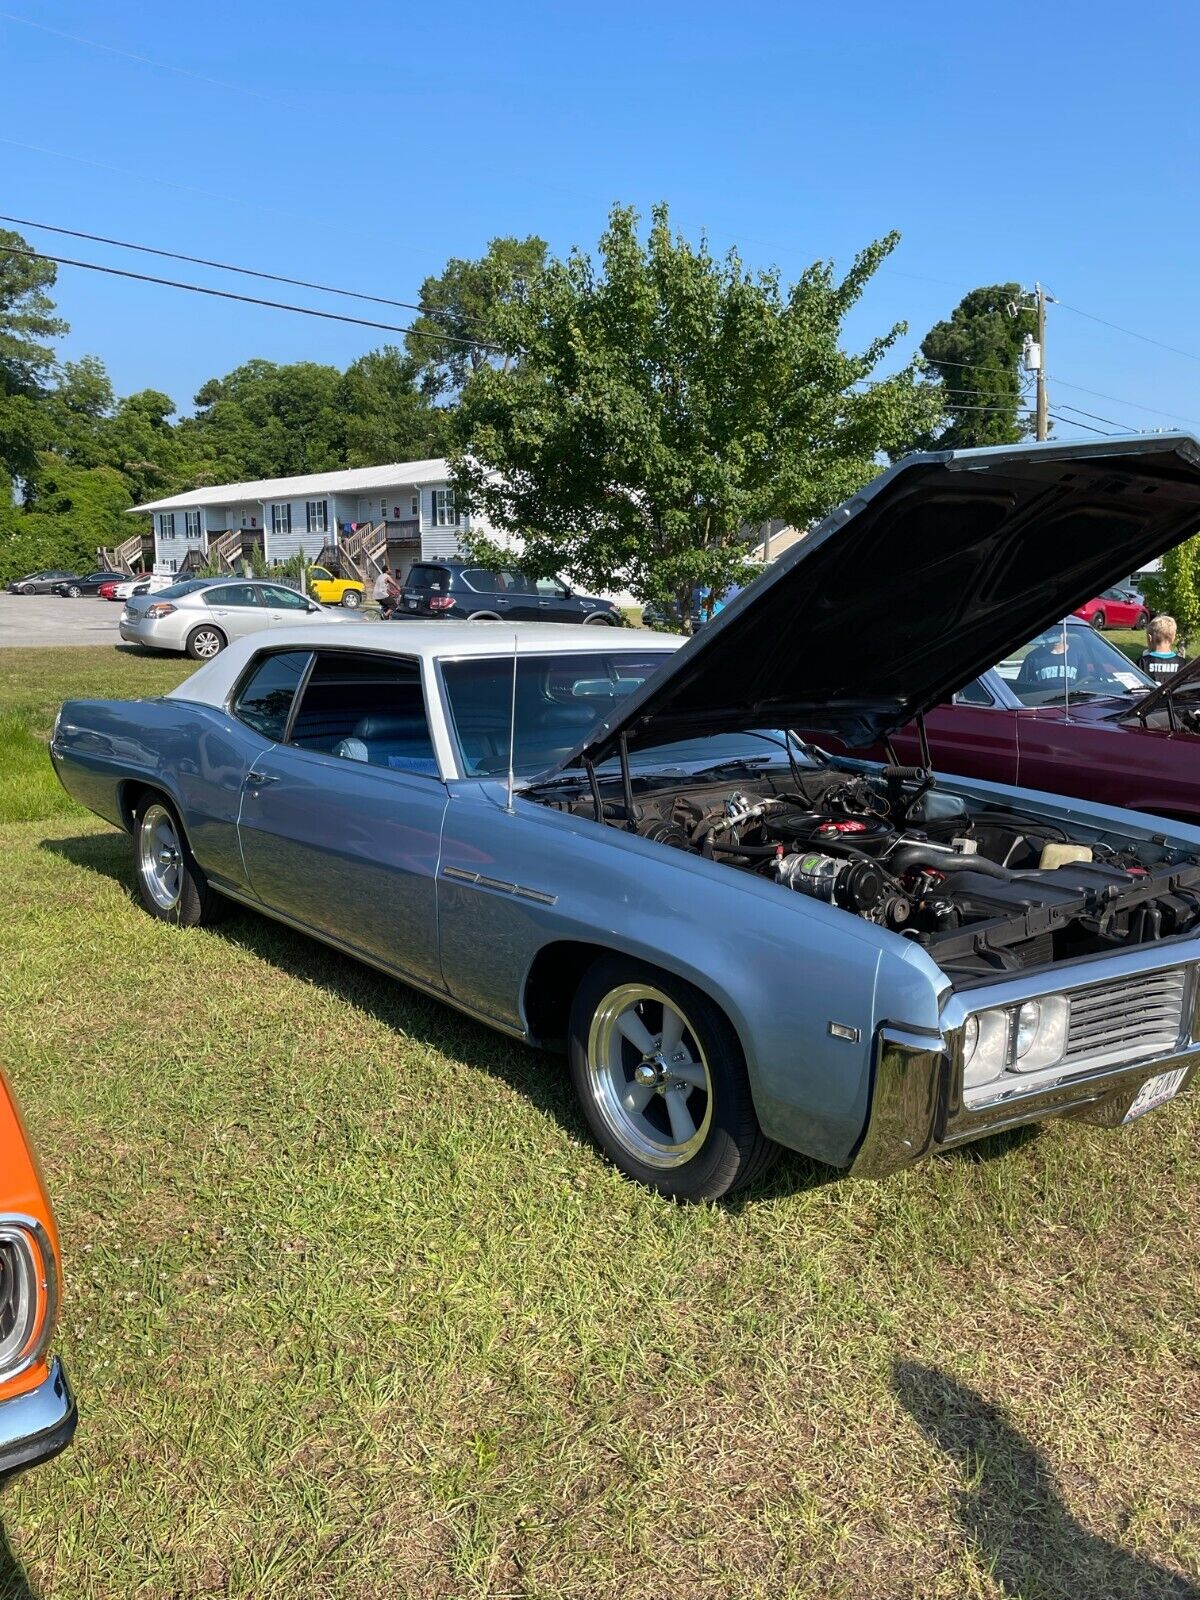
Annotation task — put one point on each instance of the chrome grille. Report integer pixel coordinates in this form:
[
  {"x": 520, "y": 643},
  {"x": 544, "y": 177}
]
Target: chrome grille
[
  {"x": 9, "y": 1292},
  {"x": 1130, "y": 1018}
]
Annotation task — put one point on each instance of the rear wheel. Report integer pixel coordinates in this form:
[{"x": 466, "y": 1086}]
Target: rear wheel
[
  {"x": 1098, "y": 621},
  {"x": 205, "y": 642},
  {"x": 483, "y": 616},
  {"x": 351, "y": 599},
  {"x": 170, "y": 884},
  {"x": 662, "y": 1081}
]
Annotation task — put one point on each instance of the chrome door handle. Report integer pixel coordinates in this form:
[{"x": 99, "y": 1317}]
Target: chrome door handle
[
  {"x": 259, "y": 780},
  {"x": 543, "y": 605}
]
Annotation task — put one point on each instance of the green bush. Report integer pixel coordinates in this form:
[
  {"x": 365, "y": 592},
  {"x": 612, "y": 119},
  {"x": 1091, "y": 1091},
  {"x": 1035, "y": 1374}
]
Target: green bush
[{"x": 1176, "y": 589}]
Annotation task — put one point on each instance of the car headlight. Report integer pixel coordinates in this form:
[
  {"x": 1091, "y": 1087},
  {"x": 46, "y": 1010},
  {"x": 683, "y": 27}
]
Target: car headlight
[
  {"x": 1018, "y": 1038},
  {"x": 1040, "y": 1035}
]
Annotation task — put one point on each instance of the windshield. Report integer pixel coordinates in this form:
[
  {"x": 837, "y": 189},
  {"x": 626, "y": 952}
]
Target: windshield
[{"x": 1074, "y": 661}]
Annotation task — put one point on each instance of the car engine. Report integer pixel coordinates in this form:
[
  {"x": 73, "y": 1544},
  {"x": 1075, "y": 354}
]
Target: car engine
[{"x": 982, "y": 887}]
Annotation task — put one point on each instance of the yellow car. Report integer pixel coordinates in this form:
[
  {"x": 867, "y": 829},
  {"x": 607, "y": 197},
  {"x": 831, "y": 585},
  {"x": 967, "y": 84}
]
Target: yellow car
[{"x": 331, "y": 591}]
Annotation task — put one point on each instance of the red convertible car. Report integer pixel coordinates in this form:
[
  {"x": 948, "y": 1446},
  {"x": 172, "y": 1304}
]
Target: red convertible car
[
  {"x": 1115, "y": 608},
  {"x": 1068, "y": 713}
]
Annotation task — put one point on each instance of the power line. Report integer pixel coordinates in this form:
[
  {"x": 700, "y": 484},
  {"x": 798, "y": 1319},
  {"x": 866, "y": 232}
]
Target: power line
[
  {"x": 224, "y": 266},
  {"x": 1070, "y": 422},
  {"x": 1124, "y": 426},
  {"x": 1155, "y": 411},
  {"x": 1116, "y": 326},
  {"x": 249, "y": 299}
]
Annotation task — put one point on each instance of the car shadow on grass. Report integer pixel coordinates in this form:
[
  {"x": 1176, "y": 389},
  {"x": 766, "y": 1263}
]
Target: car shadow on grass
[
  {"x": 14, "y": 1581},
  {"x": 538, "y": 1075},
  {"x": 1011, "y": 1508}
]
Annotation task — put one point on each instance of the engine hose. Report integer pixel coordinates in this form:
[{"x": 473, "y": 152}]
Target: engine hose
[
  {"x": 755, "y": 852},
  {"x": 923, "y": 855}
]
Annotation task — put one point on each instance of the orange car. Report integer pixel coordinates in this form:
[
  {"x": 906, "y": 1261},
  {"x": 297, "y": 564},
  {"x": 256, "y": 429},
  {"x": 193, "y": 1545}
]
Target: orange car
[{"x": 37, "y": 1408}]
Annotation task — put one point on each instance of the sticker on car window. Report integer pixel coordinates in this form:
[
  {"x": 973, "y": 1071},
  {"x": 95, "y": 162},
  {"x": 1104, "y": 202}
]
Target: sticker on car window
[{"x": 425, "y": 765}]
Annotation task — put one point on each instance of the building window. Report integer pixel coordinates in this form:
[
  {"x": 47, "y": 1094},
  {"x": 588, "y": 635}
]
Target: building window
[
  {"x": 416, "y": 505},
  {"x": 281, "y": 518},
  {"x": 166, "y": 525},
  {"x": 443, "y": 509},
  {"x": 316, "y": 516},
  {"x": 383, "y": 511},
  {"x": 191, "y": 524}
]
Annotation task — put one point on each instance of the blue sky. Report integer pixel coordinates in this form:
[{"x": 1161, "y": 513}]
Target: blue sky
[{"x": 362, "y": 144}]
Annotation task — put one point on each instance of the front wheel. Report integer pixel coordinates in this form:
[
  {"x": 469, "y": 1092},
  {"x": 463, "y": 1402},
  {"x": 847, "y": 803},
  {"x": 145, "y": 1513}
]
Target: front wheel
[
  {"x": 205, "y": 642},
  {"x": 170, "y": 884},
  {"x": 597, "y": 619},
  {"x": 1140, "y": 621},
  {"x": 662, "y": 1081},
  {"x": 351, "y": 599},
  {"x": 75, "y": 591},
  {"x": 1098, "y": 621}
]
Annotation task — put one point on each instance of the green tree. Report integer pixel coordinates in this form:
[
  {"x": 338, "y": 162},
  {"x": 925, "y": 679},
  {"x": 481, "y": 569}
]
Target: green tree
[
  {"x": 385, "y": 416},
  {"x": 665, "y": 400},
  {"x": 263, "y": 420},
  {"x": 464, "y": 308},
  {"x": 976, "y": 354},
  {"x": 27, "y": 328},
  {"x": 1176, "y": 588}
]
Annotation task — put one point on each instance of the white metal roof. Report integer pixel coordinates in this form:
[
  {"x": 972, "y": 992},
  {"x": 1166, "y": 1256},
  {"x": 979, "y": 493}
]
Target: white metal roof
[
  {"x": 211, "y": 684},
  {"x": 395, "y": 475}
]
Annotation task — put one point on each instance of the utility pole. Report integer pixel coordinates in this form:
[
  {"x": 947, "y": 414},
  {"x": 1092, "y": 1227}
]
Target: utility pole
[{"x": 1043, "y": 407}]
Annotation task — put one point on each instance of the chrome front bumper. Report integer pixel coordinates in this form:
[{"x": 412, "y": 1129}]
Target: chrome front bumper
[
  {"x": 916, "y": 1111},
  {"x": 37, "y": 1425}
]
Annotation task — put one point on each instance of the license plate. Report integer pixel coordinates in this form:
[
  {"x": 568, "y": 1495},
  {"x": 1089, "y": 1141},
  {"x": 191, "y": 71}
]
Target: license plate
[{"x": 1156, "y": 1092}]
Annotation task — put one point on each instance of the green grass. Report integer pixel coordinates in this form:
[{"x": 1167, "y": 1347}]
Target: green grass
[{"x": 354, "y": 1309}]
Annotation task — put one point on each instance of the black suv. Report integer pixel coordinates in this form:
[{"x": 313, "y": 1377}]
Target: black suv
[{"x": 453, "y": 590}]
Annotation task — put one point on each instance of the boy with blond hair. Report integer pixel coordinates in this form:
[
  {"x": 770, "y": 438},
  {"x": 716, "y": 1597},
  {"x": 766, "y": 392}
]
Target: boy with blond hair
[{"x": 1160, "y": 659}]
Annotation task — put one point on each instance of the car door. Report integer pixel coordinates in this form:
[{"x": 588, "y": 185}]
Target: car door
[
  {"x": 341, "y": 819},
  {"x": 235, "y": 608},
  {"x": 555, "y": 602},
  {"x": 284, "y": 605}
]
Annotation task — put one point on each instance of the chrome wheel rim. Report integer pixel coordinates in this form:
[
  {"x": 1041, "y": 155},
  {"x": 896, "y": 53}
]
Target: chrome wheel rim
[
  {"x": 206, "y": 644},
  {"x": 160, "y": 857},
  {"x": 649, "y": 1078}
]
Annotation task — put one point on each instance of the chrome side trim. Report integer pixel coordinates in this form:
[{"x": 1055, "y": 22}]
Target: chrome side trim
[
  {"x": 478, "y": 880},
  {"x": 18, "y": 1230}
]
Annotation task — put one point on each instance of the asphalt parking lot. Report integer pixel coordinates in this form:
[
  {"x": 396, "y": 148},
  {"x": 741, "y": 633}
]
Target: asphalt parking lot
[{"x": 32, "y": 619}]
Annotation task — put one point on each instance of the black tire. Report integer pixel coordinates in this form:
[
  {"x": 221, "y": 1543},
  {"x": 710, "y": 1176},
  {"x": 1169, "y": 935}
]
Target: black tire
[
  {"x": 198, "y": 646},
  {"x": 75, "y": 591},
  {"x": 730, "y": 1148},
  {"x": 1142, "y": 618},
  {"x": 180, "y": 895},
  {"x": 351, "y": 599},
  {"x": 1099, "y": 621},
  {"x": 597, "y": 619},
  {"x": 484, "y": 616}
]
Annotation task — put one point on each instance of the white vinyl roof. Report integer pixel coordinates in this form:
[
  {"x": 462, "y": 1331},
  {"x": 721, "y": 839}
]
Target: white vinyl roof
[
  {"x": 212, "y": 684},
  {"x": 395, "y": 475}
]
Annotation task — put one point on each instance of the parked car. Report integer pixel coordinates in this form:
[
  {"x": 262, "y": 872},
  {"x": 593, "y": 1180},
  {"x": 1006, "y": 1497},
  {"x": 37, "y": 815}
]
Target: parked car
[
  {"x": 37, "y": 1408},
  {"x": 454, "y": 591},
  {"x": 656, "y": 616},
  {"x": 1106, "y": 732},
  {"x": 613, "y": 844},
  {"x": 144, "y": 583},
  {"x": 42, "y": 582},
  {"x": 1115, "y": 608},
  {"x": 202, "y": 615},
  {"x": 108, "y": 589},
  {"x": 331, "y": 591},
  {"x": 74, "y": 588}
]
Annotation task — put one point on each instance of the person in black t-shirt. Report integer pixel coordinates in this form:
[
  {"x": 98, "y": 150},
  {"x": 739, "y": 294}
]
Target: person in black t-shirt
[{"x": 1160, "y": 659}]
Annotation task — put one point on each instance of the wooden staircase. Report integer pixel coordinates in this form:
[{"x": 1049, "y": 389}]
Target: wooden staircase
[
  {"x": 364, "y": 552},
  {"x": 122, "y": 558},
  {"x": 227, "y": 547}
]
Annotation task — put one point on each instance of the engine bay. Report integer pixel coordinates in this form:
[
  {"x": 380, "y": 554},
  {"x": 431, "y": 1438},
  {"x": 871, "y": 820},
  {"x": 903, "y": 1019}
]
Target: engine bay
[{"x": 981, "y": 887}]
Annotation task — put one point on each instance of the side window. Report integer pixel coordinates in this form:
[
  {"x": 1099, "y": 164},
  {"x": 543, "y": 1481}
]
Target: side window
[
  {"x": 477, "y": 578},
  {"x": 288, "y": 599},
  {"x": 232, "y": 594},
  {"x": 550, "y": 587},
  {"x": 264, "y": 701},
  {"x": 974, "y": 695},
  {"x": 364, "y": 707}
]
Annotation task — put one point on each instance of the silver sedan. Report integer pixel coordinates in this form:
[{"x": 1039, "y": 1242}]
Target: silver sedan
[{"x": 202, "y": 615}]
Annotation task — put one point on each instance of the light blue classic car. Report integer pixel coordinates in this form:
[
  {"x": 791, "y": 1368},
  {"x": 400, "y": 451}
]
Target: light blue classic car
[{"x": 617, "y": 845}]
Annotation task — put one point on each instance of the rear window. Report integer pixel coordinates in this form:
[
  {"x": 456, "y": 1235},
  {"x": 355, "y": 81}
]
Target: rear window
[
  {"x": 370, "y": 708},
  {"x": 187, "y": 586},
  {"x": 429, "y": 578},
  {"x": 264, "y": 702}
]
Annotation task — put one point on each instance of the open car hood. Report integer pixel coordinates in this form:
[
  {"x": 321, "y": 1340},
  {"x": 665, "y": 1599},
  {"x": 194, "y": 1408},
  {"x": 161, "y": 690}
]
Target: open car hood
[{"x": 940, "y": 567}]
